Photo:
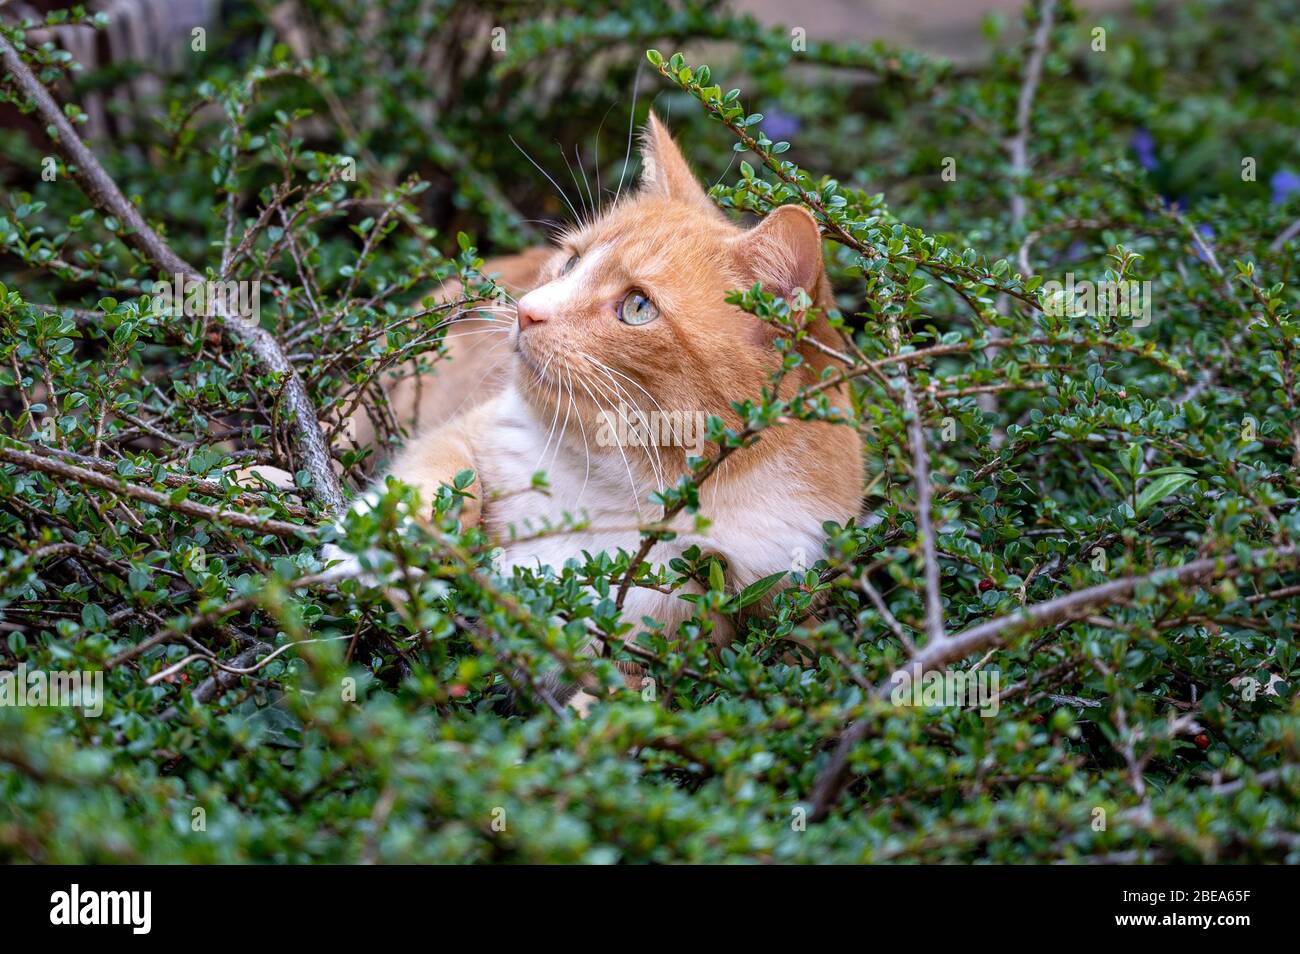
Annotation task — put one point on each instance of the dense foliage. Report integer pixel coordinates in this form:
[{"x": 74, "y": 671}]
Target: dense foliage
[{"x": 1069, "y": 450}]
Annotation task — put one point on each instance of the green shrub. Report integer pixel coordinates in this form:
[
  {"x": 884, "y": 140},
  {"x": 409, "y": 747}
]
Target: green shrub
[{"x": 1112, "y": 496}]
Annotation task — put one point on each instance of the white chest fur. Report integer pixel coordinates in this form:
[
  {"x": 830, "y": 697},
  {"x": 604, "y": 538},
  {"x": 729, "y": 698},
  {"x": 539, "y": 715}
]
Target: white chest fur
[{"x": 761, "y": 521}]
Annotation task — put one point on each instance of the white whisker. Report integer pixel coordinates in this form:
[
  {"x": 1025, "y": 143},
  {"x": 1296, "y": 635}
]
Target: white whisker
[
  {"x": 564, "y": 428},
  {"x": 564, "y": 195},
  {"x": 652, "y": 453},
  {"x": 555, "y": 421},
  {"x": 591, "y": 199},
  {"x": 657, "y": 462},
  {"x": 577, "y": 187},
  {"x": 586, "y": 447},
  {"x": 631, "y": 122},
  {"x": 600, "y": 192},
  {"x": 636, "y": 497},
  {"x": 480, "y": 331}
]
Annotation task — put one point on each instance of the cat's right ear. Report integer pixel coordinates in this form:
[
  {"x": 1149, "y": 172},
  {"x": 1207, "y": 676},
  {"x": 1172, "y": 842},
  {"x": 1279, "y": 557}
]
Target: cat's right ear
[
  {"x": 784, "y": 252},
  {"x": 664, "y": 170}
]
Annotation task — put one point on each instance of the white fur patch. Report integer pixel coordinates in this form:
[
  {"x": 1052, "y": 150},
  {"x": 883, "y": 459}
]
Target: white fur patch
[
  {"x": 763, "y": 522},
  {"x": 554, "y": 297}
]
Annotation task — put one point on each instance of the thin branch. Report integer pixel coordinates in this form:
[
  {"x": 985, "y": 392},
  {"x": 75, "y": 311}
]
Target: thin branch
[
  {"x": 891, "y": 621},
  {"x": 234, "y": 518},
  {"x": 219, "y": 681},
  {"x": 833, "y": 776},
  {"x": 1018, "y": 154},
  {"x": 1018, "y": 146},
  {"x": 1286, "y": 235},
  {"x": 236, "y": 670},
  {"x": 924, "y": 525},
  {"x": 178, "y": 628},
  {"x": 104, "y": 193},
  {"x": 209, "y": 488}
]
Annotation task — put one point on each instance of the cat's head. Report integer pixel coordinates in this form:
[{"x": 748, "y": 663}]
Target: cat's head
[{"x": 631, "y": 309}]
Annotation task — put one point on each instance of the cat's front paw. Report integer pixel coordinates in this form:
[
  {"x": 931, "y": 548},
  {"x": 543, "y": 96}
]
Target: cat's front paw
[
  {"x": 372, "y": 567},
  {"x": 339, "y": 562}
]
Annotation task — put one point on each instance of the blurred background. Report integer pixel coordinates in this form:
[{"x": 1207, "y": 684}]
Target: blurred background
[
  {"x": 950, "y": 28},
  {"x": 877, "y": 92}
]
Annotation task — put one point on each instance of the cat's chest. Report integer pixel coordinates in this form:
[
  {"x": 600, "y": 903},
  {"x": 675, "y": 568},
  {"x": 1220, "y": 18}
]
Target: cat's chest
[
  {"x": 595, "y": 501},
  {"x": 591, "y": 500}
]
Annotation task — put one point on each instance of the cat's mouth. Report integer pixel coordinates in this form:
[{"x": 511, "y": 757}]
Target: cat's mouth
[{"x": 531, "y": 364}]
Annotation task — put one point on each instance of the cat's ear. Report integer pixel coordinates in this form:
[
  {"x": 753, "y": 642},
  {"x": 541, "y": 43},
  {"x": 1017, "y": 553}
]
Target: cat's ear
[
  {"x": 664, "y": 171},
  {"x": 784, "y": 252}
]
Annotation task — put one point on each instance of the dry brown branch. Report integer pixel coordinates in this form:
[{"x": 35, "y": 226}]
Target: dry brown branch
[
  {"x": 308, "y": 442},
  {"x": 234, "y": 518},
  {"x": 830, "y": 781}
]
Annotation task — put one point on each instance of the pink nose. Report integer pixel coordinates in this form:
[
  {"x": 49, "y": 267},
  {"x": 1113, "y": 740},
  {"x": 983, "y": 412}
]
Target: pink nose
[{"x": 530, "y": 313}]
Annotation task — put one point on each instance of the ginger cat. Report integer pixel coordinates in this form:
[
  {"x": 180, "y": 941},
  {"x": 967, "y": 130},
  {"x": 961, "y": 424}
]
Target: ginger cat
[{"x": 630, "y": 310}]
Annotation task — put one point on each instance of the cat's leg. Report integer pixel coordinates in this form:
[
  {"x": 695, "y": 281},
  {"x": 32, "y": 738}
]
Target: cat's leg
[
  {"x": 436, "y": 457},
  {"x": 425, "y": 464}
]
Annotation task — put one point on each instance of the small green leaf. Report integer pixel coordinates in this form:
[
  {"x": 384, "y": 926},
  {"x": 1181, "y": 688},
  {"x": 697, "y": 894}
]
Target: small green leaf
[
  {"x": 1160, "y": 488},
  {"x": 757, "y": 590},
  {"x": 1110, "y": 475},
  {"x": 717, "y": 579}
]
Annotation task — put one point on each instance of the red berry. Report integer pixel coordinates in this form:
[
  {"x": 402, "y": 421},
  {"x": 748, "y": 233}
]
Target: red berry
[
  {"x": 1202, "y": 741},
  {"x": 985, "y": 585},
  {"x": 457, "y": 691}
]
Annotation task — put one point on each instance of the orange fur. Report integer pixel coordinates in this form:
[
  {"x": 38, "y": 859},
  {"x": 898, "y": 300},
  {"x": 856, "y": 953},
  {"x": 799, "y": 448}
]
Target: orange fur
[
  {"x": 470, "y": 372},
  {"x": 668, "y": 241}
]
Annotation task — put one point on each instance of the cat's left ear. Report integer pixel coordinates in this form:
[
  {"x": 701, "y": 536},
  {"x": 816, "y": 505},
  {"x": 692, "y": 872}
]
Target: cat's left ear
[
  {"x": 784, "y": 252},
  {"x": 664, "y": 171}
]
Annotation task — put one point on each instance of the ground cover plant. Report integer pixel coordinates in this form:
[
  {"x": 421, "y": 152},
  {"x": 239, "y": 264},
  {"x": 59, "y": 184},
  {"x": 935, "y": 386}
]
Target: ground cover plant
[{"x": 1065, "y": 277}]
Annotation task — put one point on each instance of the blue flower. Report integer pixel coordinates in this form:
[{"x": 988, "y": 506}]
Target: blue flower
[
  {"x": 780, "y": 125},
  {"x": 1145, "y": 146},
  {"x": 1284, "y": 183}
]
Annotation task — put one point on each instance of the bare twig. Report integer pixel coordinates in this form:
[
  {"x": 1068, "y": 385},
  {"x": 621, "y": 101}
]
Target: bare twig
[
  {"x": 830, "y": 781},
  {"x": 924, "y": 525},
  {"x": 1286, "y": 235},
  {"x": 1018, "y": 145},
  {"x": 234, "y": 518},
  {"x": 1018, "y": 154},
  {"x": 177, "y": 628},
  {"x": 240, "y": 668},
  {"x": 308, "y": 442},
  {"x": 891, "y": 621},
  {"x": 219, "y": 681}
]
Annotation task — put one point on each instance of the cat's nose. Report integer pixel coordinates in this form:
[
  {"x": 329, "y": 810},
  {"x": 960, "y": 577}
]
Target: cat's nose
[{"x": 530, "y": 312}]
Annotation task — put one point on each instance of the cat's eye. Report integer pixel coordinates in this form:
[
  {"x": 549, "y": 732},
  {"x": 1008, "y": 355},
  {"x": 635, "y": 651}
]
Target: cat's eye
[
  {"x": 568, "y": 266},
  {"x": 637, "y": 309}
]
